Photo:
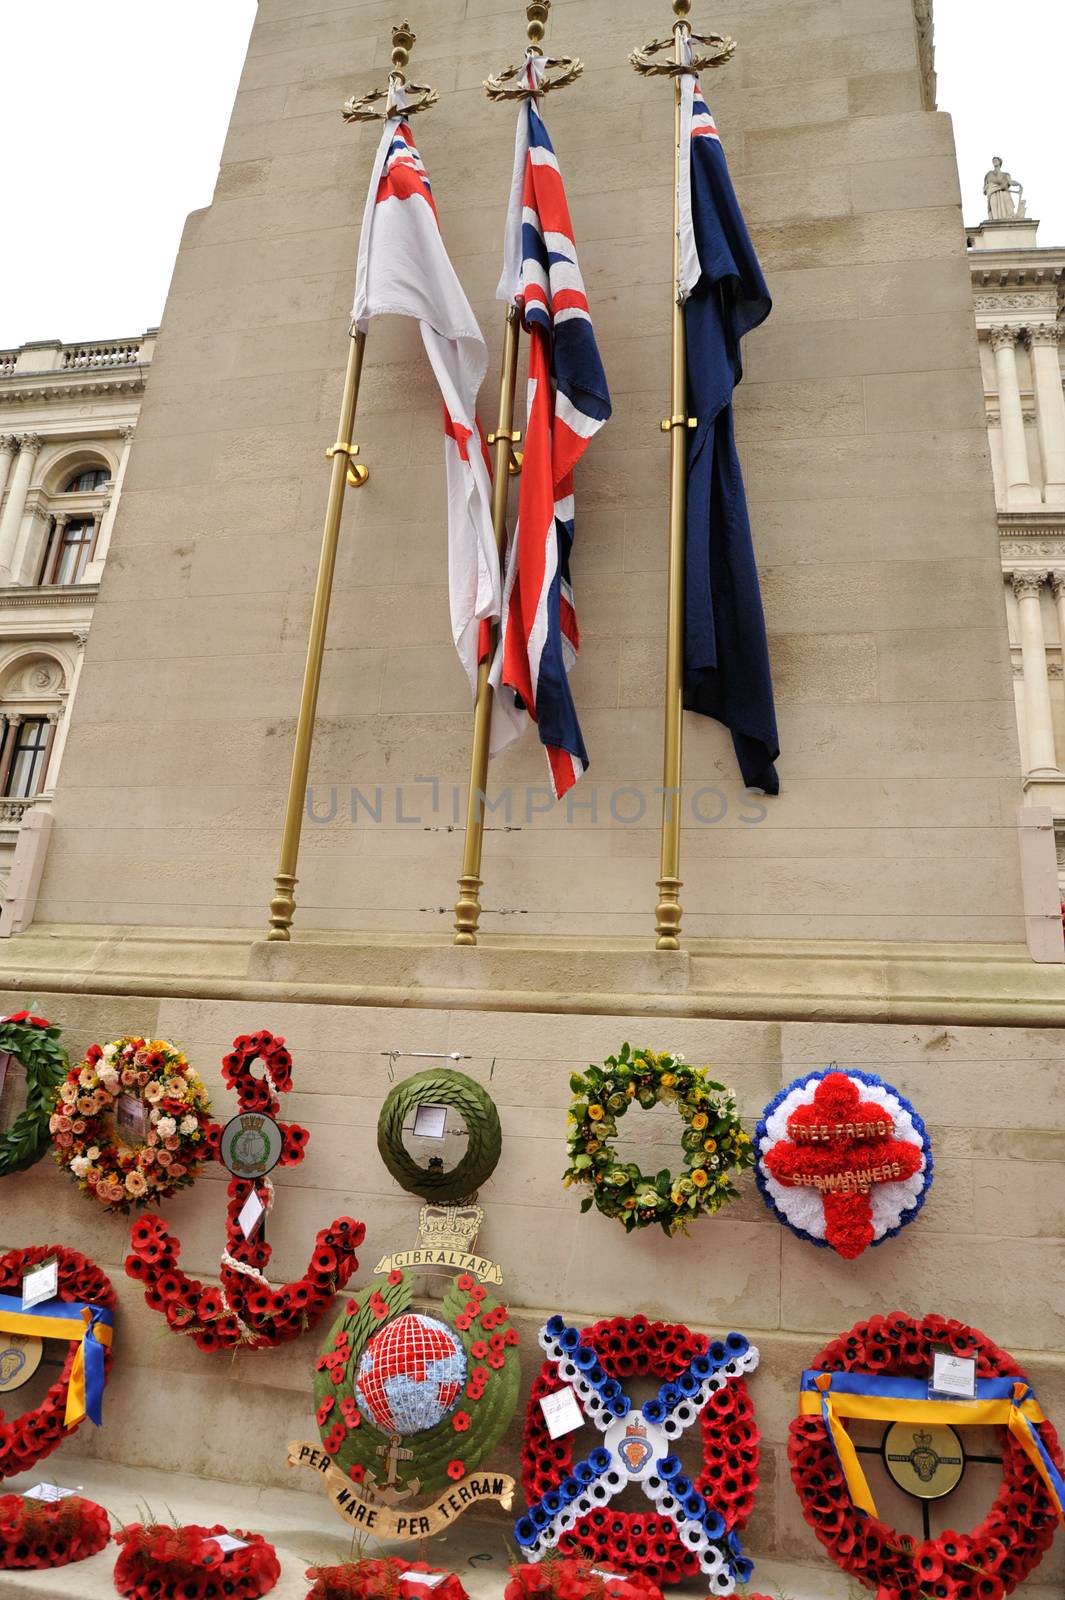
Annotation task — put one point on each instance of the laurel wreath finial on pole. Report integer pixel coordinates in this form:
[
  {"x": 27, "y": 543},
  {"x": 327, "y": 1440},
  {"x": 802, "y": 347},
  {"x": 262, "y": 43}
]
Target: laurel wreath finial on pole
[
  {"x": 512, "y": 84},
  {"x": 419, "y": 96},
  {"x": 721, "y": 47}
]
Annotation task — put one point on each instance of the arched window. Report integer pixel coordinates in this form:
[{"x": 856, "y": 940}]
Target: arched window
[
  {"x": 87, "y": 479},
  {"x": 68, "y": 550},
  {"x": 26, "y": 772}
]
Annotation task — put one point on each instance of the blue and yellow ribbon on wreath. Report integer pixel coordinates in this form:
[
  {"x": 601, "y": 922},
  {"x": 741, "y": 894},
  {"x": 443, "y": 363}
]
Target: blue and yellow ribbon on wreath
[
  {"x": 870, "y": 1397},
  {"x": 93, "y": 1329}
]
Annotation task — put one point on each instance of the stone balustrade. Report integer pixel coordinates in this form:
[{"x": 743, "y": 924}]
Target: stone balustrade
[{"x": 82, "y": 356}]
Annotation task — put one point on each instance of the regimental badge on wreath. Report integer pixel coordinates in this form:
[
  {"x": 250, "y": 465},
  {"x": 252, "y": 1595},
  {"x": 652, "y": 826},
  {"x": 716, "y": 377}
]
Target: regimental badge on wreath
[{"x": 411, "y": 1402}]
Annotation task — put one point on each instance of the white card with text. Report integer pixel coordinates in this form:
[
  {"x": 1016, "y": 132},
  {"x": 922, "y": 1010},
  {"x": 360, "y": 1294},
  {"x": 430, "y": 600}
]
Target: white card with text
[
  {"x": 430, "y": 1122},
  {"x": 429, "y": 1580},
  {"x": 131, "y": 1119},
  {"x": 226, "y": 1542},
  {"x": 251, "y": 1214},
  {"x": 42, "y": 1284},
  {"x": 562, "y": 1412},
  {"x": 51, "y": 1493},
  {"x": 954, "y": 1375}
]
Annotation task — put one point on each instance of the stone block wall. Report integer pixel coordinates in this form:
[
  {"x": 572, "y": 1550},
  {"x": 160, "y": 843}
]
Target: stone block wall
[{"x": 861, "y": 432}]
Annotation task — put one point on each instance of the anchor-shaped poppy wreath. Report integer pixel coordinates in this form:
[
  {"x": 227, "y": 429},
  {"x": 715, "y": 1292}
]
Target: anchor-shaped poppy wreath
[
  {"x": 637, "y": 1448},
  {"x": 245, "y": 1310}
]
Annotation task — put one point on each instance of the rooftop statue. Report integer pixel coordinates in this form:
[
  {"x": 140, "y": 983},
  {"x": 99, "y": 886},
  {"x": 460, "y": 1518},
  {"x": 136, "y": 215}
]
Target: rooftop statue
[{"x": 999, "y": 188}]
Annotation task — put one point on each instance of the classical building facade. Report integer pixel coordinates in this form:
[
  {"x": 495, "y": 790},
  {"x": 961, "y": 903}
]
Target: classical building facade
[
  {"x": 67, "y": 417},
  {"x": 1018, "y": 289}
]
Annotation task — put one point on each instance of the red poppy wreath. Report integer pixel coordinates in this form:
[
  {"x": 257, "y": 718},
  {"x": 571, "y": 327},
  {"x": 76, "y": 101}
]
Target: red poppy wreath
[
  {"x": 160, "y": 1563},
  {"x": 878, "y": 1357},
  {"x": 44, "y": 1534},
  {"x": 245, "y": 1310},
  {"x": 35, "y": 1434},
  {"x": 690, "y": 1526},
  {"x": 387, "y": 1579}
]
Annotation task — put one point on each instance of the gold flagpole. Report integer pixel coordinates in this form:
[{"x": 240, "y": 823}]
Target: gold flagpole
[
  {"x": 668, "y": 912},
  {"x": 507, "y": 463},
  {"x": 345, "y": 472}
]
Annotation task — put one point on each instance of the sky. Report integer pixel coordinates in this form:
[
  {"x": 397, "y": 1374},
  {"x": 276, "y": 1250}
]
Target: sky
[
  {"x": 1000, "y": 77},
  {"x": 114, "y": 112}
]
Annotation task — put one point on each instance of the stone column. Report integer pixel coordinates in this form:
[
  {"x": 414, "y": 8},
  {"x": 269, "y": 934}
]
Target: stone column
[
  {"x": 8, "y": 446},
  {"x": 81, "y": 636},
  {"x": 94, "y": 570},
  {"x": 49, "y": 575},
  {"x": 29, "y": 445},
  {"x": 1019, "y": 490},
  {"x": 8, "y": 724},
  {"x": 1043, "y": 343},
  {"x": 1057, "y": 589},
  {"x": 13, "y": 722},
  {"x": 49, "y": 746},
  {"x": 98, "y": 520},
  {"x": 1039, "y": 725}
]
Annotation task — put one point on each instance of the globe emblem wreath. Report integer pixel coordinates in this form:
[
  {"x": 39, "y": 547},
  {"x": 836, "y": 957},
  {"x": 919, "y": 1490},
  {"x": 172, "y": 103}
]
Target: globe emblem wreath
[
  {"x": 409, "y": 1402},
  {"x": 410, "y": 1375}
]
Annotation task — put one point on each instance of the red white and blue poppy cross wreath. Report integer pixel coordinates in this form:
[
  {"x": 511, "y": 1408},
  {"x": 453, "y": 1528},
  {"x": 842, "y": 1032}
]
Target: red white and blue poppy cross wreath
[{"x": 628, "y": 1453}]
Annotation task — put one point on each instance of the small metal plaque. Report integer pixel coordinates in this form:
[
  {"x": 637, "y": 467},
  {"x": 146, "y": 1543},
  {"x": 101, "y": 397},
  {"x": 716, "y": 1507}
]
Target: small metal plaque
[
  {"x": 251, "y": 1144},
  {"x": 20, "y": 1356},
  {"x": 926, "y": 1460}
]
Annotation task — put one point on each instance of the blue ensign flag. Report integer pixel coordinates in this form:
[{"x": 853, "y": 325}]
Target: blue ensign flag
[{"x": 726, "y": 658}]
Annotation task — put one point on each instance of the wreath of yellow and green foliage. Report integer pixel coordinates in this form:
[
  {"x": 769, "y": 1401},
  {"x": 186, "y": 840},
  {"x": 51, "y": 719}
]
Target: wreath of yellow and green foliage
[{"x": 714, "y": 1143}]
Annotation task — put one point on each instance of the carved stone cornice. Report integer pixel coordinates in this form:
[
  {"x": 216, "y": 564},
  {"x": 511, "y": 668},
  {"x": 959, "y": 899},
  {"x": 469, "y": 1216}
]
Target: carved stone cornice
[
  {"x": 926, "y": 51},
  {"x": 29, "y": 443},
  {"x": 1027, "y": 584},
  {"x": 1031, "y": 524},
  {"x": 1045, "y": 333},
  {"x": 1034, "y": 300},
  {"x": 45, "y": 599},
  {"x": 63, "y": 389}
]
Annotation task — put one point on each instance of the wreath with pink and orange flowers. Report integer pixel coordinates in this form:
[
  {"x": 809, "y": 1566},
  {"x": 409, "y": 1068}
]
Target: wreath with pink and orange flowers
[{"x": 148, "y": 1086}]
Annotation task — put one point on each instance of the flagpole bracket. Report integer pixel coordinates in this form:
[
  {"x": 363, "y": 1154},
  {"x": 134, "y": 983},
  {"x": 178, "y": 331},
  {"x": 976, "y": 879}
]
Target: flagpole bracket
[
  {"x": 721, "y": 47},
  {"x": 516, "y": 456},
  {"x": 358, "y": 475},
  {"x": 669, "y": 423}
]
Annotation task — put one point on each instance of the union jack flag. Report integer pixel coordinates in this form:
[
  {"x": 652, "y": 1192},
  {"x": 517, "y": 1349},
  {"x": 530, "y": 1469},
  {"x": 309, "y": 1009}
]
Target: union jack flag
[{"x": 568, "y": 403}]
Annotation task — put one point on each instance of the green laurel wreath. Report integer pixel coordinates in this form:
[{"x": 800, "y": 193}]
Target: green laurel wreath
[
  {"x": 442, "y": 1446},
  {"x": 713, "y": 1141},
  {"x": 45, "y": 1063},
  {"x": 459, "y": 1093}
]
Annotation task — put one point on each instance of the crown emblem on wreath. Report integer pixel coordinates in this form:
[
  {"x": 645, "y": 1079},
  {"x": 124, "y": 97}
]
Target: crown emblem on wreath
[
  {"x": 922, "y": 1440},
  {"x": 635, "y": 1449},
  {"x": 450, "y": 1227}
]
